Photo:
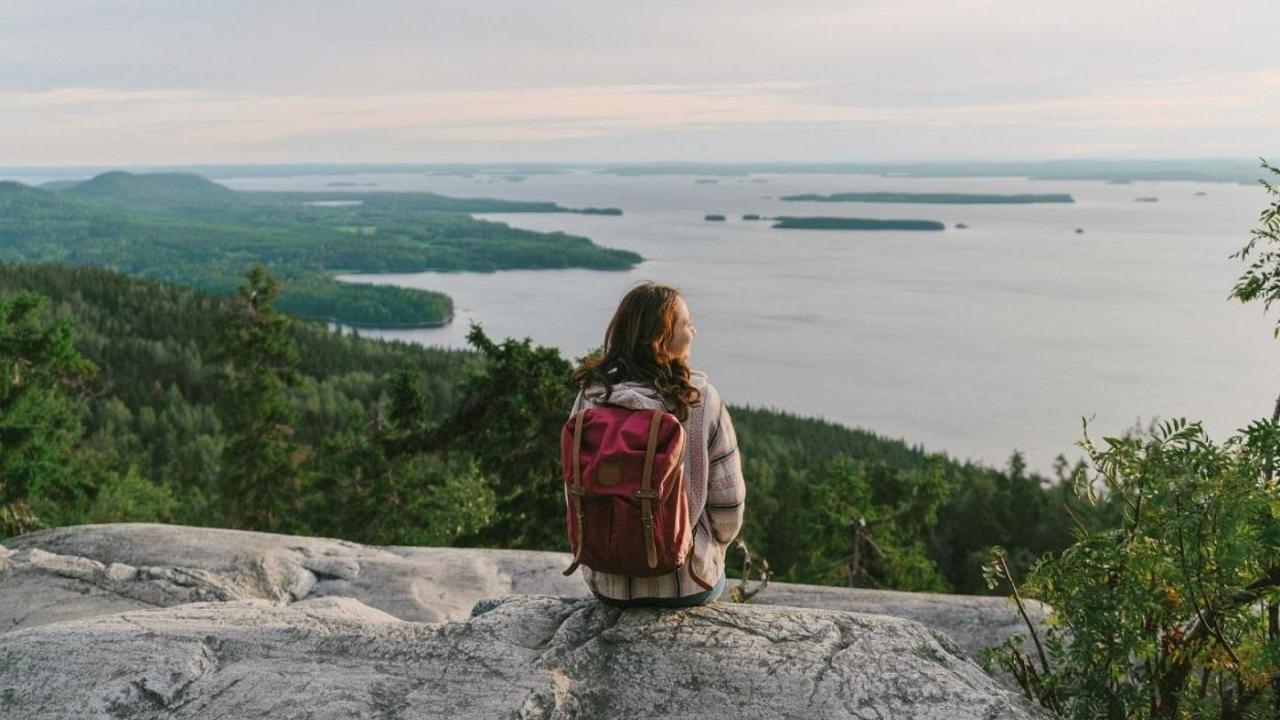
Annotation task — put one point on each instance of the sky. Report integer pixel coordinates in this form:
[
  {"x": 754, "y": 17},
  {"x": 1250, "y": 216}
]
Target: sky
[{"x": 231, "y": 81}]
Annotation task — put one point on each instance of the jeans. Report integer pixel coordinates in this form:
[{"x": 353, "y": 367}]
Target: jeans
[{"x": 703, "y": 598}]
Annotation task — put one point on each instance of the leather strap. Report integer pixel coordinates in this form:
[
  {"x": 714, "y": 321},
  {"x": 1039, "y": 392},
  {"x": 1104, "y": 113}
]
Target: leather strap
[
  {"x": 646, "y": 493},
  {"x": 576, "y": 492}
]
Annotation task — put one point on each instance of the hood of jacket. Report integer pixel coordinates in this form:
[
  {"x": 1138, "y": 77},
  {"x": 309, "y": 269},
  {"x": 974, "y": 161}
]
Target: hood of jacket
[
  {"x": 631, "y": 395},
  {"x": 639, "y": 396}
]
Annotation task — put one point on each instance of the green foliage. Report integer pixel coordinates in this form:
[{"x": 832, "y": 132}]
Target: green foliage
[
  {"x": 130, "y": 497},
  {"x": 408, "y": 406},
  {"x": 407, "y": 443},
  {"x": 786, "y": 459},
  {"x": 872, "y": 519},
  {"x": 509, "y": 420},
  {"x": 1261, "y": 280},
  {"x": 372, "y": 486},
  {"x": 185, "y": 229},
  {"x": 39, "y": 429},
  {"x": 1175, "y": 612},
  {"x": 1160, "y": 617},
  {"x": 155, "y": 192},
  {"x": 151, "y": 409},
  {"x": 259, "y": 482}
]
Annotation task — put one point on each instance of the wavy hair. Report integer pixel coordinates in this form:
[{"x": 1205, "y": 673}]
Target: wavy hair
[{"x": 636, "y": 348}]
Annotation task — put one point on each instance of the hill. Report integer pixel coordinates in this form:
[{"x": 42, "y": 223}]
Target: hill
[
  {"x": 194, "y": 196},
  {"x": 156, "y": 192}
]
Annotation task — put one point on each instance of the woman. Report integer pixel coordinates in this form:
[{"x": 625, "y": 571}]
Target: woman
[{"x": 644, "y": 364}]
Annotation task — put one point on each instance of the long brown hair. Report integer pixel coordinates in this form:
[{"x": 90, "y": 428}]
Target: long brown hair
[{"x": 636, "y": 349}]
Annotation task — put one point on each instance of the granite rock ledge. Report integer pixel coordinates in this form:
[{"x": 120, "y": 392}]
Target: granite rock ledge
[
  {"x": 91, "y": 570},
  {"x": 529, "y": 656}
]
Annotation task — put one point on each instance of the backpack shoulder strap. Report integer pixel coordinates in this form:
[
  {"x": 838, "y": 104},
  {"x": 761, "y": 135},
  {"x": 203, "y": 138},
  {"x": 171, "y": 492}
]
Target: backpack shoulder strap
[
  {"x": 646, "y": 493},
  {"x": 576, "y": 491}
]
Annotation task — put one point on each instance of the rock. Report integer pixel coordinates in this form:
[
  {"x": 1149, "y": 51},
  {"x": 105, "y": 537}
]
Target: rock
[
  {"x": 421, "y": 584},
  {"x": 972, "y": 621},
  {"x": 89, "y": 570},
  {"x": 38, "y": 587},
  {"x": 527, "y": 657}
]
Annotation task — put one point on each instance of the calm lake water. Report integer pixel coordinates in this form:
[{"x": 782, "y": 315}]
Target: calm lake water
[{"x": 973, "y": 342}]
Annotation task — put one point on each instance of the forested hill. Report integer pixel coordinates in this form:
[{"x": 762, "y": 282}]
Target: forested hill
[
  {"x": 173, "y": 192},
  {"x": 392, "y": 443},
  {"x": 185, "y": 229},
  {"x": 193, "y": 196}
]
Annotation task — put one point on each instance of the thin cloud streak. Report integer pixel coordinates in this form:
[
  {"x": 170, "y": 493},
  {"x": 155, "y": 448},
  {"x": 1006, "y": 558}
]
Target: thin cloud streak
[{"x": 36, "y": 124}]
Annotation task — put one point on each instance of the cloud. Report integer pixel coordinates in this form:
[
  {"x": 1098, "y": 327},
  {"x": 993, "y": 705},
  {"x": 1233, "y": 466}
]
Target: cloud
[
  {"x": 238, "y": 80},
  {"x": 36, "y": 124}
]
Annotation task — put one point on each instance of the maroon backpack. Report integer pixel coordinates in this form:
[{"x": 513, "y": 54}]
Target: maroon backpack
[{"x": 626, "y": 513}]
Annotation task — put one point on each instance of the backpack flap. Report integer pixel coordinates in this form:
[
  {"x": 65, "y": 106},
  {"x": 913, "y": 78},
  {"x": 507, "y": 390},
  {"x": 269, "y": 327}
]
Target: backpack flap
[{"x": 626, "y": 510}]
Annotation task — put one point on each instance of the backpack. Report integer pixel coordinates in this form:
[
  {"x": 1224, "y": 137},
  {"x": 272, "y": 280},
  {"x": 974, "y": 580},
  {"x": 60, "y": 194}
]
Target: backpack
[{"x": 626, "y": 509}]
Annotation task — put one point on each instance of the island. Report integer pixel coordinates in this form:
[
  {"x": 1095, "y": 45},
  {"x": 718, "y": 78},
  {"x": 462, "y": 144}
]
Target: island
[
  {"x": 844, "y": 223},
  {"x": 598, "y": 211},
  {"x": 715, "y": 217},
  {"x": 751, "y": 216},
  {"x": 1147, "y": 199},
  {"x": 933, "y": 198}
]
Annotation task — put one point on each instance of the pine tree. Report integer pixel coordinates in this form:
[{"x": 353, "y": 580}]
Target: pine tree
[
  {"x": 260, "y": 480},
  {"x": 509, "y": 420},
  {"x": 39, "y": 429},
  {"x": 408, "y": 407}
]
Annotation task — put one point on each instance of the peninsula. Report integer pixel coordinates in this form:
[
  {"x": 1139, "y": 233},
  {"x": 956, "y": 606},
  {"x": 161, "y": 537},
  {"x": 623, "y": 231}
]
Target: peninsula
[{"x": 187, "y": 229}]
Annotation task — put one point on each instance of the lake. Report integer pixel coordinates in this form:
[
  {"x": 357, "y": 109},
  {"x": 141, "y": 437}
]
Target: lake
[{"x": 974, "y": 342}]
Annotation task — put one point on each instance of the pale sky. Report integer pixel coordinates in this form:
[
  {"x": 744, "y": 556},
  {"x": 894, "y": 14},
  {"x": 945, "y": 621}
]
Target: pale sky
[{"x": 231, "y": 81}]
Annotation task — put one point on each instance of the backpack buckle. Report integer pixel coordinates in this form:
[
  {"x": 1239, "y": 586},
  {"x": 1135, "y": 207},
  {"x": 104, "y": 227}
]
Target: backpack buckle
[{"x": 651, "y": 494}]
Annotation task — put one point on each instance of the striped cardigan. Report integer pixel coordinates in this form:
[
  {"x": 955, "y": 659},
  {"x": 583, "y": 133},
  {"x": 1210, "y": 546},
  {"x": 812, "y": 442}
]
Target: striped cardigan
[{"x": 713, "y": 481}]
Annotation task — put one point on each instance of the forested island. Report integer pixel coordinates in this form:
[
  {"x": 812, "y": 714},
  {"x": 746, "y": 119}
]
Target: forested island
[
  {"x": 187, "y": 229},
  {"x": 843, "y": 223},
  {"x": 933, "y": 198}
]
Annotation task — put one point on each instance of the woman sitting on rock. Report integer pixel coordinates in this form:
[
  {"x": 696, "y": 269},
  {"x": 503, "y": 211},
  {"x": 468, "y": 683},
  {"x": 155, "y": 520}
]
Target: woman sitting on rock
[{"x": 644, "y": 365}]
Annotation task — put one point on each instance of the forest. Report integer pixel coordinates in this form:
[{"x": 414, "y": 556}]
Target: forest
[
  {"x": 368, "y": 417},
  {"x": 188, "y": 230}
]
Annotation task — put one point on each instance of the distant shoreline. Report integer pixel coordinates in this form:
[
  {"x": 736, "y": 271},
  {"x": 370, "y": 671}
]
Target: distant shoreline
[
  {"x": 933, "y": 198},
  {"x": 1216, "y": 170},
  {"x": 840, "y": 223}
]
